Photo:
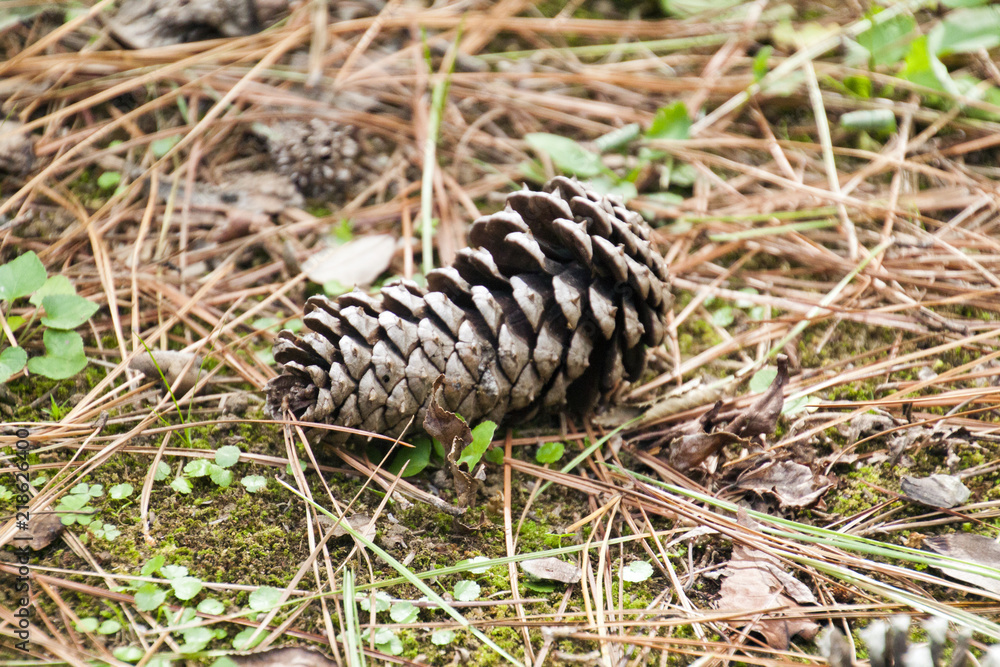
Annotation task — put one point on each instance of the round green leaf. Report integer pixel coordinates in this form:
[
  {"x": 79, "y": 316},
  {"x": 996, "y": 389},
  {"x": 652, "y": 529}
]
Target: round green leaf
[
  {"x": 109, "y": 627},
  {"x": 21, "y": 276},
  {"x": 416, "y": 458},
  {"x": 63, "y": 355},
  {"x": 442, "y": 637},
  {"x": 481, "y": 569},
  {"x": 723, "y": 317},
  {"x": 211, "y": 606},
  {"x": 128, "y": 653},
  {"x": 120, "y": 491},
  {"x": 637, "y": 571},
  {"x": 12, "y": 360},
  {"x": 550, "y": 452},
  {"x": 253, "y": 483},
  {"x": 181, "y": 485},
  {"x": 67, "y": 311},
  {"x": 241, "y": 642},
  {"x": 382, "y": 601},
  {"x": 197, "y": 637},
  {"x": 152, "y": 565},
  {"x": 149, "y": 597},
  {"x": 88, "y": 624},
  {"x": 566, "y": 154},
  {"x": 173, "y": 571},
  {"x": 221, "y": 476},
  {"x": 467, "y": 591},
  {"x": 186, "y": 588},
  {"x": 57, "y": 284},
  {"x": 198, "y": 468},
  {"x": 227, "y": 456},
  {"x": 109, "y": 180},
  {"x": 161, "y": 147},
  {"x": 264, "y": 598},
  {"x": 762, "y": 379},
  {"x": 404, "y": 612}
]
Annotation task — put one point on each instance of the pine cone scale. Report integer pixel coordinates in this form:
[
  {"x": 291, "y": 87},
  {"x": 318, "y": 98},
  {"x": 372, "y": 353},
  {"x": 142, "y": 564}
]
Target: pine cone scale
[{"x": 555, "y": 304}]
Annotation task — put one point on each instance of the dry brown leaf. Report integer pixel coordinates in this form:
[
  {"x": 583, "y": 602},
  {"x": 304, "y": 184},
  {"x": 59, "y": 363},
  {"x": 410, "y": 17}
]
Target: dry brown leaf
[
  {"x": 976, "y": 548},
  {"x": 171, "y": 363},
  {"x": 45, "y": 528},
  {"x": 357, "y": 263},
  {"x": 17, "y": 149},
  {"x": 359, "y": 522},
  {"x": 936, "y": 490},
  {"x": 455, "y": 434},
  {"x": 794, "y": 484},
  {"x": 552, "y": 569},
  {"x": 762, "y": 417},
  {"x": 688, "y": 451},
  {"x": 754, "y": 580}
]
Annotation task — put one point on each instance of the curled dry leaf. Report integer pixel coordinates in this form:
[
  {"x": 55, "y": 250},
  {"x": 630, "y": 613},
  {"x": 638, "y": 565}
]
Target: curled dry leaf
[
  {"x": 455, "y": 434},
  {"x": 17, "y": 149},
  {"x": 753, "y": 581},
  {"x": 45, "y": 528},
  {"x": 976, "y": 548},
  {"x": 172, "y": 364},
  {"x": 689, "y": 451},
  {"x": 936, "y": 490},
  {"x": 357, "y": 263},
  {"x": 284, "y": 657},
  {"x": 359, "y": 522},
  {"x": 552, "y": 569},
  {"x": 762, "y": 417},
  {"x": 794, "y": 484}
]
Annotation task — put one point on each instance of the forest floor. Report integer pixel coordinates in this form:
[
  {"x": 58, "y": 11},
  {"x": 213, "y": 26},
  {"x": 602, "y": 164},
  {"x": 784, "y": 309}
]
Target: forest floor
[{"x": 177, "y": 179}]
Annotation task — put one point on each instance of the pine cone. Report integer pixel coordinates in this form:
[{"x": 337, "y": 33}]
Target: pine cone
[
  {"x": 326, "y": 159},
  {"x": 554, "y": 305}
]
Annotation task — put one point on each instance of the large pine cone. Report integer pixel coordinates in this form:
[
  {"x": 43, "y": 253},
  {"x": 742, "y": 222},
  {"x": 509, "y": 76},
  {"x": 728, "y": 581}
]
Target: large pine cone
[{"x": 553, "y": 305}]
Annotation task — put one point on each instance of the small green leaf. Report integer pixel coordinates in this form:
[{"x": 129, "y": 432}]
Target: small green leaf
[
  {"x": 88, "y": 624},
  {"x": 869, "y": 120},
  {"x": 760, "y": 60},
  {"x": 442, "y": 637},
  {"x": 416, "y": 458},
  {"x": 95, "y": 490},
  {"x": 241, "y": 642},
  {"x": 57, "y": 284},
  {"x": 538, "y": 585},
  {"x": 161, "y": 147},
  {"x": 227, "y": 456},
  {"x": 746, "y": 303},
  {"x": 198, "y": 468},
  {"x": 12, "y": 360},
  {"x": 467, "y": 591},
  {"x": 618, "y": 138},
  {"x": 120, "y": 491},
  {"x": 477, "y": 559},
  {"x": 211, "y": 606},
  {"x": 186, "y": 588},
  {"x": 382, "y": 601},
  {"x": 109, "y": 180},
  {"x": 404, "y": 612},
  {"x": 67, "y": 311},
  {"x": 152, "y": 565},
  {"x": 181, "y": 485},
  {"x": 221, "y": 476},
  {"x": 482, "y": 436},
  {"x": 494, "y": 455},
  {"x": 550, "y": 452},
  {"x": 924, "y": 68},
  {"x": 63, "y": 358},
  {"x": 128, "y": 653},
  {"x": 253, "y": 483},
  {"x": 670, "y": 122},
  {"x": 109, "y": 627},
  {"x": 966, "y": 30},
  {"x": 264, "y": 598},
  {"x": 567, "y": 155},
  {"x": 796, "y": 405},
  {"x": 173, "y": 571},
  {"x": 762, "y": 379},
  {"x": 149, "y": 597},
  {"x": 723, "y": 317},
  {"x": 162, "y": 471},
  {"x": 21, "y": 276},
  {"x": 636, "y": 571},
  {"x": 888, "y": 41},
  {"x": 860, "y": 86}
]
